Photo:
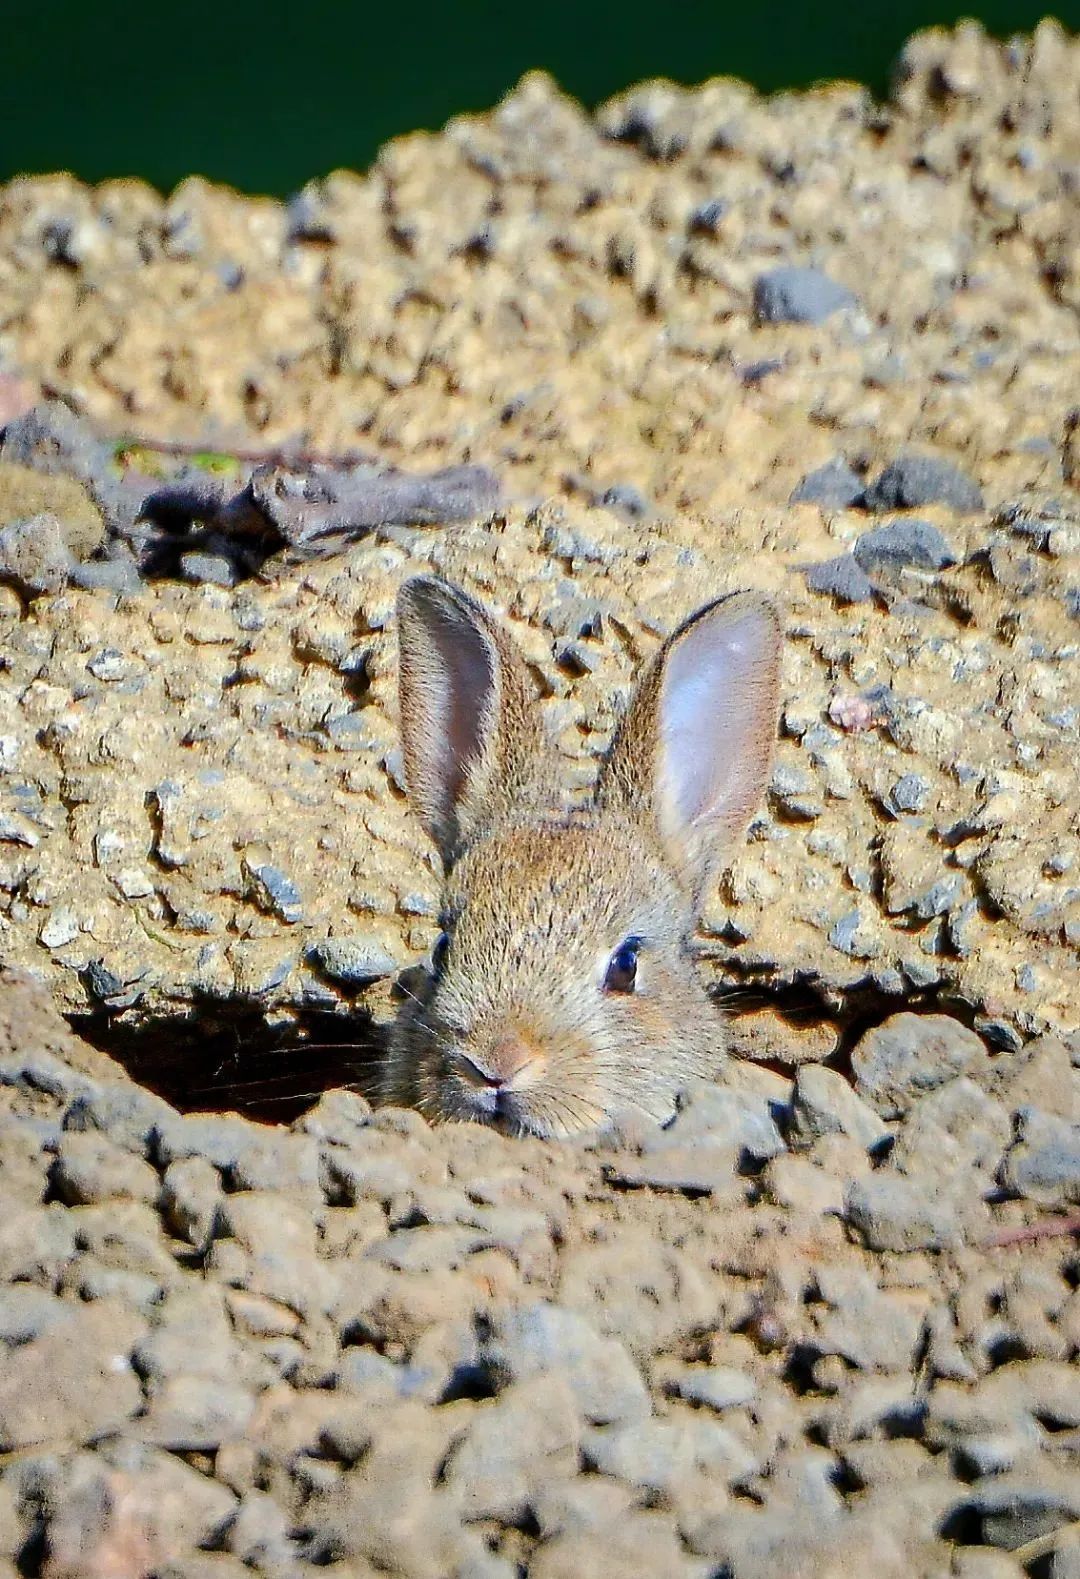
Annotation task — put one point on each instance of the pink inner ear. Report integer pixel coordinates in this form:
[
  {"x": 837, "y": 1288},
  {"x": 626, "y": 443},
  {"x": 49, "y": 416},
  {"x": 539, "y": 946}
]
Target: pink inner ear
[
  {"x": 459, "y": 699},
  {"x": 717, "y": 715}
]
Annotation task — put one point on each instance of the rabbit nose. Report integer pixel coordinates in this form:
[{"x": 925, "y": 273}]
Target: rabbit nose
[{"x": 504, "y": 1061}]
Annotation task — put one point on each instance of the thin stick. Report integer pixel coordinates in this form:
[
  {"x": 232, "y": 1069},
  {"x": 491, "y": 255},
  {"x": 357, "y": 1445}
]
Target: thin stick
[
  {"x": 281, "y": 455},
  {"x": 1047, "y": 1228},
  {"x": 1043, "y": 1545}
]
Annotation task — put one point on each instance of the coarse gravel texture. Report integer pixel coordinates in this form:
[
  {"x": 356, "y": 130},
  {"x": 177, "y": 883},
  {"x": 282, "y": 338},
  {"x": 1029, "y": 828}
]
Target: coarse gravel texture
[{"x": 698, "y": 341}]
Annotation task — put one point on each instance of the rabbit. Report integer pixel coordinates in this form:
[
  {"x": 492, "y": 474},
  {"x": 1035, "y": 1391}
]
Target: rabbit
[{"x": 562, "y": 994}]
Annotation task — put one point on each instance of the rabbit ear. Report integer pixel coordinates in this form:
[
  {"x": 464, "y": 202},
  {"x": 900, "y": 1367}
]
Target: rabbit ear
[
  {"x": 693, "y": 749},
  {"x": 469, "y": 726}
]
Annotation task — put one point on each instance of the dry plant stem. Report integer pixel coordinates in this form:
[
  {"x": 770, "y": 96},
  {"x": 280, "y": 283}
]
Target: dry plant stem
[
  {"x": 1043, "y": 1545},
  {"x": 1028, "y": 1233},
  {"x": 281, "y": 455}
]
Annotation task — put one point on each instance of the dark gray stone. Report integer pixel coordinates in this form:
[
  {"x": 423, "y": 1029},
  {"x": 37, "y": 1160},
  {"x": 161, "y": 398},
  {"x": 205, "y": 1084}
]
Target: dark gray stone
[
  {"x": 849, "y": 936},
  {"x": 351, "y": 961},
  {"x": 791, "y": 294},
  {"x": 913, "y": 481},
  {"x": 273, "y": 891},
  {"x": 217, "y": 569},
  {"x": 107, "y": 575},
  {"x": 706, "y": 219},
  {"x": 909, "y": 793},
  {"x": 834, "y": 486},
  {"x": 902, "y": 543},
  {"x": 842, "y": 578}
]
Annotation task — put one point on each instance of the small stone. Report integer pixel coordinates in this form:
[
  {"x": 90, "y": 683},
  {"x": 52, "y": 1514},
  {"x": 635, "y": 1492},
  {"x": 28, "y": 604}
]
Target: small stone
[
  {"x": 842, "y": 578},
  {"x": 834, "y": 486},
  {"x": 519, "y": 1342},
  {"x": 893, "y": 1212},
  {"x": 909, "y": 793},
  {"x": 274, "y": 892},
  {"x": 191, "y": 1193},
  {"x": 794, "y": 793},
  {"x": 911, "y": 1054},
  {"x": 799, "y": 295},
  {"x": 737, "y": 1121},
  {"x": 352, "y": 961},
  {"x": 59, "y": 930},
  {"x": 26, "y": 492},
  {"x": 529, "y": 1434},
  {"x": 913, "y": 481},
  {"x": 90, "y": 1167},
  {"x": 957, "y": 1129},
  {"x": 213, "y": 568},
  {"x": 1025, "y": 1504},
  {"x": 74, "y": 1380},
  {"x": 720, "y": 1387},
  {"x": 108, "y": 665},
  {"x": 823, "y": 1103},
  {"x": 1043, "y": 1165},
  {"x": 662, "y": 1457},
  {"x": 705, "y": 220},
  {"x": 898, "y": 544},
  {"x": 34, "y": 555},
  {"x": 625, "y": 500},
  {"x": 854, "y": 936},
  {"x": 107, "y": 575}
]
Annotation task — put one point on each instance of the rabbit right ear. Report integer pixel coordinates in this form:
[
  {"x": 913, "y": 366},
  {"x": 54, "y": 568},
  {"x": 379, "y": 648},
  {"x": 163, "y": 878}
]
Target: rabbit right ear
[
  {"x": 693, "y": 749},
  {"x": 469, "y": 727}
]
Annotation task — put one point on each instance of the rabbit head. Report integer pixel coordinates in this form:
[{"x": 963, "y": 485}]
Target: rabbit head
[{"x": 562, "y": 991}]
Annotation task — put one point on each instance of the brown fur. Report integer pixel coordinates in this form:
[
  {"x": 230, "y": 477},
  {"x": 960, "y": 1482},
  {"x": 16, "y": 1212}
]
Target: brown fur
[{"x": 537, "y": 900}]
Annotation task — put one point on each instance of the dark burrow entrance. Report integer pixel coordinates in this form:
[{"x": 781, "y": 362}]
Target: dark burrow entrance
[
  {"x": 229, "y": 1058},
  {"x": 237, "y": 1062}
]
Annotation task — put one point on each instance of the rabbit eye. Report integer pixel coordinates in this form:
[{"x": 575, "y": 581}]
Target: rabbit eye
[
  {"x": 438, "y": 953},
  {"x": 622, "y": 967}
]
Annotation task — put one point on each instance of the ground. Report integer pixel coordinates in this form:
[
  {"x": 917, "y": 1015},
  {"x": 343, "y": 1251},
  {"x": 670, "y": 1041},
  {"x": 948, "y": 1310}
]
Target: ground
[{"x": 699, "y": 341}]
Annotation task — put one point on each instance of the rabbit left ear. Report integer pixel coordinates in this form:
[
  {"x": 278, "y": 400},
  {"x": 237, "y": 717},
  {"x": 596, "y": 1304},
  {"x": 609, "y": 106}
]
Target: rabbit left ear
[
  {"x": 693, "y": 750},
  {"x": 469, "y": 724}
]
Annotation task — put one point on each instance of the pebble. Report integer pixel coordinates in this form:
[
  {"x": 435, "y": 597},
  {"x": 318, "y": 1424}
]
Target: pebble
[
  {"x": 34, "y": 555},
  {"x": 909, "y": 794},
  {"x": 842, "y": 578},
  {"x": 799, "y": 295},
  {"x": 824, "y": 1103},
  {"x": 273, "y": 891},
  {"x": 541, "y": 1339},
  {"x": 73, "y": 1380},
  {"x": 909, "y": 1055},
  {"x": 914, "y": 481},
  {"x": 352, "y": 961},
  {"x": 833, "y": 486},
  {"x": 893, "y": 1212},
  {"x": 901, "y": 543},
  {"x": 1044, "y": 1163}
]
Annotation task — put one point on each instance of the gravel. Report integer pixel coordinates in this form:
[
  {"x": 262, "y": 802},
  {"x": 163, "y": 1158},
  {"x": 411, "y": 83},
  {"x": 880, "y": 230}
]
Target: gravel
[{"x": 828, "y": 1317}]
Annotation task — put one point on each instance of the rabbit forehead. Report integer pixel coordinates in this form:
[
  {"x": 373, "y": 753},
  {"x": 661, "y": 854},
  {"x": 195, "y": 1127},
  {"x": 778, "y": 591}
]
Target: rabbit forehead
[{"x": 586, "y": 881}]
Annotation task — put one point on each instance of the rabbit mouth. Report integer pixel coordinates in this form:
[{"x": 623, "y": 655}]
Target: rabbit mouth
[{"x": 518, "y": 1113}]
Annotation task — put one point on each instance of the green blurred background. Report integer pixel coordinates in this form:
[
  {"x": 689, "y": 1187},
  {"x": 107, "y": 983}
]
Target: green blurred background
[{"x": 266, "y": 96}]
